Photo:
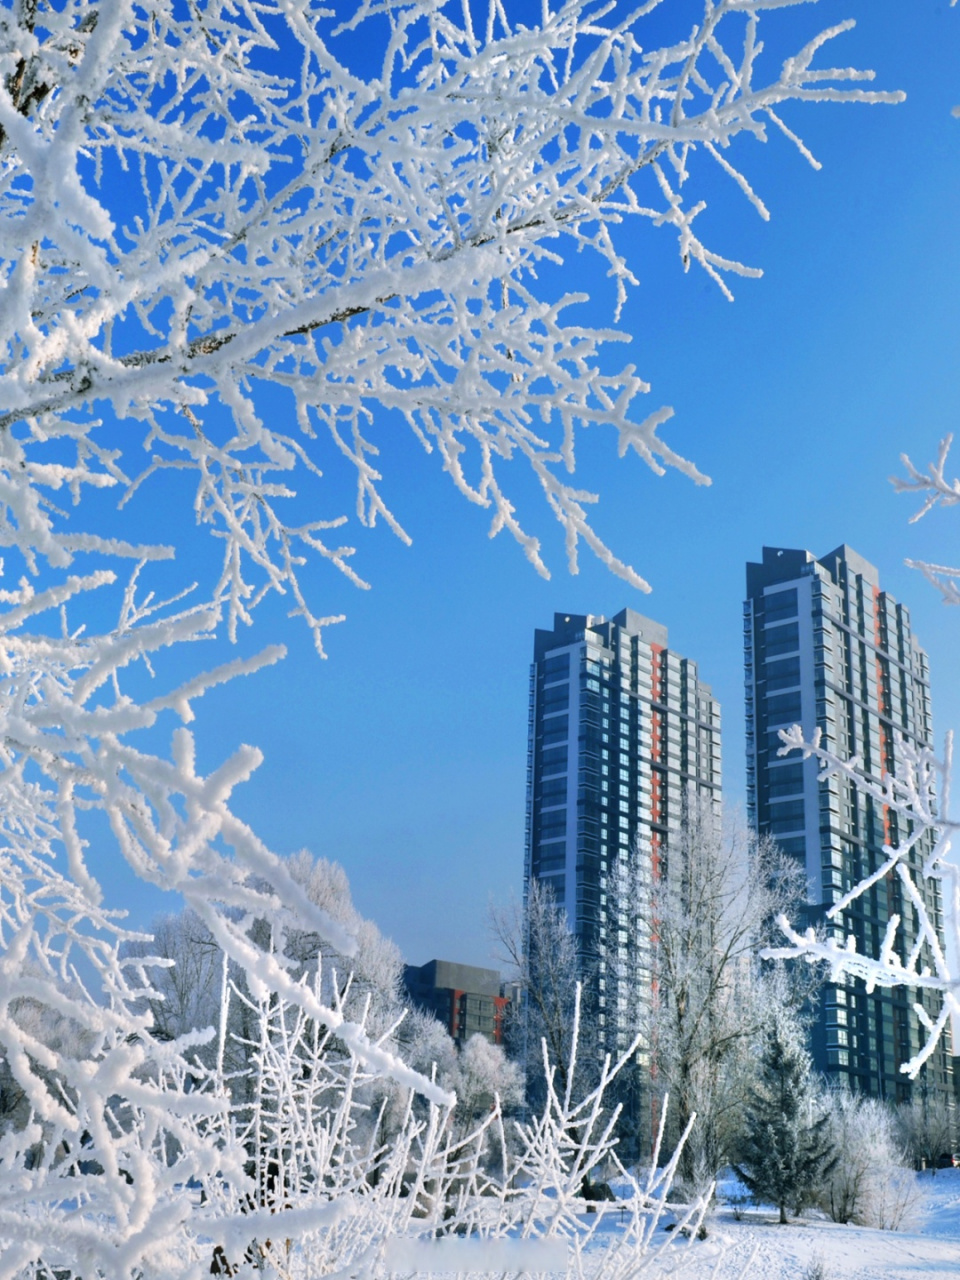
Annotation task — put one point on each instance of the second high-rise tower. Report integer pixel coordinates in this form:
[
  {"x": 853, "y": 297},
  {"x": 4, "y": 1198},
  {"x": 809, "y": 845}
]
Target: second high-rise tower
[{"x": 826, "y": 648}]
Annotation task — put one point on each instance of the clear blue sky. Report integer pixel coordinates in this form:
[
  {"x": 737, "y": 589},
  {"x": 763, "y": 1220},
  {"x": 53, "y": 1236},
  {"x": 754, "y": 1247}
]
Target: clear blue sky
[{"x": 403, "y": 756}]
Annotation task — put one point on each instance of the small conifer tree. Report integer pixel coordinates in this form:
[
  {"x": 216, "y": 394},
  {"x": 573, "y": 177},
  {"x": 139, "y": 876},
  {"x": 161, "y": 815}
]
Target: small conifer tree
[{"x": 785, "y": 1151}]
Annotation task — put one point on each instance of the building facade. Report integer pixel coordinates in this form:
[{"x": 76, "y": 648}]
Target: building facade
[
  {"x": 825, "y": 647},
  {"x": 468, "y": 1000},
  {"x": 621, "y": 731}
]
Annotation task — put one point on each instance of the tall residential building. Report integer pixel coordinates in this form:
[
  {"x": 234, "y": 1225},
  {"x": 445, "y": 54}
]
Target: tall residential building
[
  {"x": 825, "y": 648},
  {"x": 621, "y": 730}
]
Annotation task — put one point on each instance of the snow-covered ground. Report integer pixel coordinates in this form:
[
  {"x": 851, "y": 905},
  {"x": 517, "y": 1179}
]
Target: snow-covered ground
[{"x": 931, "y": 1248}]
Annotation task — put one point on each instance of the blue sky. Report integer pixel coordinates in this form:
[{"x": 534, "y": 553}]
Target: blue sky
[{"x": 403, "y": 755}]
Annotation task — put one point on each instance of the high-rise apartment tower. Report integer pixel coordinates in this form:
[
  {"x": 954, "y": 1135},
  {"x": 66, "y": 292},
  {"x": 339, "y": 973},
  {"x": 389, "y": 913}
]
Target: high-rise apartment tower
[
  {"x": 621, "y": 731},
  {"x": 825, "y": 648}
]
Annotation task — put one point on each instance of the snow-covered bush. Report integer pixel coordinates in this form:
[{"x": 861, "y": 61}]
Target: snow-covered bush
[
  {"x": 484, "y": 1078},
  {"x": 897, "y": 1200},
  {"x": 325, "y": 1193},
  {"x": 374, "y": 967},
  {"x": 870, "y": 1183},
  {"x": 925, "y": 1128}
]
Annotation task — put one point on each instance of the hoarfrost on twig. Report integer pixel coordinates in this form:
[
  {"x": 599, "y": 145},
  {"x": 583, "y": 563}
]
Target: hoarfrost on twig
[
  {"x": 918, "y": 792},
  {"x": 182, "y": 229}
]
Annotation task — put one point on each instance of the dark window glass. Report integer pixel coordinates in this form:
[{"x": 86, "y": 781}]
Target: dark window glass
[
  {"x": 555, "y": 787},
  {"x": 783, "y": 674},
  {"x": 553, "y": 824},
  {"x": 783, "y": 708},
  {"x": 553, "y": 861},
  {"x": 555, "y": 730},
  {"x": 782, "y": 604},
  {"x": 786, "y": 780},
  {"x": 787, "y": 815},
  {"x": 782, "y": 639},
  {"x": 796, "y": 847},
  {"x": 557, "y": 668},
  {"x": 556, "y": 698},
  {"x": 555, "y": 760}
]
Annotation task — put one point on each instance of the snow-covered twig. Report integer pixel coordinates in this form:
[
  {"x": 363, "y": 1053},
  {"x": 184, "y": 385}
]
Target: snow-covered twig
[
  {"x": 918, "y": 792},
  {"x": 248, "y": 261},
  {"x": 317, "y": 1139},
  {"x": 937, "y": 489}
]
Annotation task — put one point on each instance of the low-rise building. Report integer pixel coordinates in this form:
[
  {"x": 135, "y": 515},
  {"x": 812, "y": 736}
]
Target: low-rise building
[{"x": 464, "y": 997}]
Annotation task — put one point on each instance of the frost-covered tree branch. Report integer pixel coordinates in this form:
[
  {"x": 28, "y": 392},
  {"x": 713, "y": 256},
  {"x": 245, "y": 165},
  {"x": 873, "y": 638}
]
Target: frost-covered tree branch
[
  {"x": 918, "y": 792},
  {"x": 111, "y": 1127},
  {"x": 936, "y": 490},
  {"x": 199, "y": 205}
]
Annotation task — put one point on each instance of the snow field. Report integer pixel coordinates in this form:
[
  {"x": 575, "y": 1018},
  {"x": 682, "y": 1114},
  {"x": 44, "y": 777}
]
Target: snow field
[{"x": 846, "y": 1252}]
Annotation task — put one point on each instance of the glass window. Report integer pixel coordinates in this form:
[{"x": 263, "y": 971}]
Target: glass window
[
  {"x": 786, "y": 780},
  {"x": 783, "y": 673},
  {"x": 786, "y": 815},
  {"x": 554, "y": 861},
  {"x": 551, "y": 835},
  {"x": 796, "y": 847},
  {"x": 555, "y": 730},
  {"x": 782, "y": 639},
  {"x": 783, "y": 708},
  {"x": 557, "y": 668},
  {"x": 780, "y": 604}
]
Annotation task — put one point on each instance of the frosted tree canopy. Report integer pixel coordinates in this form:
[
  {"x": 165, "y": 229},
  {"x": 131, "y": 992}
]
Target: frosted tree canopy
[{"x": 201, "y": 202}]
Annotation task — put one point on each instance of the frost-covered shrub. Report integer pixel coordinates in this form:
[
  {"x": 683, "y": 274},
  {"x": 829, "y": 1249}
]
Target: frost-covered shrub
[
  {"x": 817, "y": 1270},
  {"x": 325, "y": 1194},
  {"x": 925, "y": 1128},
  {"x": 870, "y": 1183},
  {"x": 897, "y": 1200},
  {"x": 484, "y": 1078}
]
